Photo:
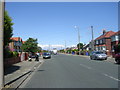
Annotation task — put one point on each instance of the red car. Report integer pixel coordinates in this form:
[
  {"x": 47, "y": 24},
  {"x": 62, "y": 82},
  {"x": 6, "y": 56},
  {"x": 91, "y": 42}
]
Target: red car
[{"x": 117, "y": 58}]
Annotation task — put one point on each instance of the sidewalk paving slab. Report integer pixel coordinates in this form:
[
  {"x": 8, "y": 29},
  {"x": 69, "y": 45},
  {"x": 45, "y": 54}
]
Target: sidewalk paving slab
[{"x": 17, "y": 73}]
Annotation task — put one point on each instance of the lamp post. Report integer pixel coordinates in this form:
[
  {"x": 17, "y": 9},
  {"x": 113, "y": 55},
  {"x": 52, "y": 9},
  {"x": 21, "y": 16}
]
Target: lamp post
[
  {"x": 78, "y": 38},
  {"x": 2, "y": 3},
  {"x": 65, "y": 46},
  {"x": 92, "y": 38}
]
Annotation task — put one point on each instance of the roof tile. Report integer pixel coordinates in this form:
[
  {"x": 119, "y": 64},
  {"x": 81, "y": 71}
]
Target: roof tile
[{"x": 106, "y": 35}]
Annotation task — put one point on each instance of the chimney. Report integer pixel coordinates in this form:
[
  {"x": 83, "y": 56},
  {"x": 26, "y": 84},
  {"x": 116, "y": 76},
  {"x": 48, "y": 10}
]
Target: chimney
[{"x": 104, "y": 31}]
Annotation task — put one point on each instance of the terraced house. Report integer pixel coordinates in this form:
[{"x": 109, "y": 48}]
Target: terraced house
[
  {"x": 103, "y": 42},
  {"x": 16, "y": 44},
  {"x": 115, "y": 40}
]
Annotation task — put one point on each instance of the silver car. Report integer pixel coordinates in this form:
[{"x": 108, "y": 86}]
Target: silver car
[
  {"x": 98, "y": 55},
  {"x": 46, "y": 55}
]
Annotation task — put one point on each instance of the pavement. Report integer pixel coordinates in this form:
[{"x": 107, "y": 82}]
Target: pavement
[{"x": 15, "y": 75}]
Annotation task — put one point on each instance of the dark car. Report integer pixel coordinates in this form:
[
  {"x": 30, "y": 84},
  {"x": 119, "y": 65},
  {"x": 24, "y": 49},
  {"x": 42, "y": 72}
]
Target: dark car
[
  {"x": 117, "y": 58},
  {"x": 46, "y": 55},
  {"x": 98, "y": 55}
]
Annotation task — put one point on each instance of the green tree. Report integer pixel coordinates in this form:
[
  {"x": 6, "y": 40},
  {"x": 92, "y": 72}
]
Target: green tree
[
  {"x": 30, "y": 45},
  {"x": 81, "y": 46},
  {"x": 8, "y": 30}
]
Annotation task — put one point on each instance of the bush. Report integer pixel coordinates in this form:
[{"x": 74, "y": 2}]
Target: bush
[
  {"x": 7, "y": 54},
  {"x": 15, "y": 54},
  {"x": 10, "y": 54}
]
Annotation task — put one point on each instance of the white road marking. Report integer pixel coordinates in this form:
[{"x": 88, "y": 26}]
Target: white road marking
[
  {"x": 102, "y": 73},
  {"x": 86, "y": 66},
  {"x": 111, "y": 77}
]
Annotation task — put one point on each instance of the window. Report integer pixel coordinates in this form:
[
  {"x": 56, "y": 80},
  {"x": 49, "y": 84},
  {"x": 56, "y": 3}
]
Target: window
[
  {"x": 96, "y": 48},
  {"x": 119, "y": 37},
  {"x": 101, "y": 41},
  {"x": 103, "y": 48},
  {"x": 116, "y": 38},
  {"x": 97, "y": 42}
]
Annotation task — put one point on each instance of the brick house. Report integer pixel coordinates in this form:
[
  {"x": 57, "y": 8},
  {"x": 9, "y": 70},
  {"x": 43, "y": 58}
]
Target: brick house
[
  {"x": 16, "y": 44},
  {"x": 115, "y": 40},
  {"x": 103, "y": 42}
]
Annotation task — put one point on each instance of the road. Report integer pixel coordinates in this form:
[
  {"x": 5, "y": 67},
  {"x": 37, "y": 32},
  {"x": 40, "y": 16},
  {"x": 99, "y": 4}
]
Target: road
[{"x": 67, "y": 71}]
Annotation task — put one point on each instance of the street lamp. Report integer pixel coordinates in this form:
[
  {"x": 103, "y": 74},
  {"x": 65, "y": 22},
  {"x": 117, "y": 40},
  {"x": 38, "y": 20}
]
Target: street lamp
[
  {"x": 76, "y": 27},
  {"x": 92, "y": 38},
  {"x": 65, "y": 46}
]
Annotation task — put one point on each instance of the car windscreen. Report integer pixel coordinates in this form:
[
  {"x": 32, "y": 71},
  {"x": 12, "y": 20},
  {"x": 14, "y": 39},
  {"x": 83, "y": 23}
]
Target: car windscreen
[
  {"x": 46, "y": 54},
  {"x": 99, "y": 53}
]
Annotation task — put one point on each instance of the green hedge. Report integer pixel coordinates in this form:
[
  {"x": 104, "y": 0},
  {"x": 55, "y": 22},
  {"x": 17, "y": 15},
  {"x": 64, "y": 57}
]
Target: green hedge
[{"x": 10, "y": 54}]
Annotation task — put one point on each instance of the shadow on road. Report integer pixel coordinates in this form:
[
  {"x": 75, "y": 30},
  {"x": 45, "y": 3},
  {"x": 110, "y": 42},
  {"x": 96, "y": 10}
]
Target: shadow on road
[
  {"x": 11, "y": 69},
  {"x": 98, "y": 60},
  {"x": 40, "y": 70},
  {"x": 117, "y": 64}
]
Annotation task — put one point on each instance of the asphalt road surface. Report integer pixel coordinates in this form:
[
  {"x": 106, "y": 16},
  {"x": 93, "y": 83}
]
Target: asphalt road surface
[{"x": 67, "y": 71}]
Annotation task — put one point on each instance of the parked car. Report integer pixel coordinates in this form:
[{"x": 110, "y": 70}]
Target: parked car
[
  {"x": 46, "y": 55},
  {"x": 98, "y": 55},
  {"x": 117, "y": 58}
]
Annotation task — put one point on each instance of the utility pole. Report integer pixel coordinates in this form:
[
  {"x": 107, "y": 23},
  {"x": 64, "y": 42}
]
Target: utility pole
[
  {"x": 65, "y": 46},
  {"x": 92, "y": 38},
  {"x": 78, "y": 38},
  {"x": 49, "y": 47},
  {"x": 2, "y": 8}
]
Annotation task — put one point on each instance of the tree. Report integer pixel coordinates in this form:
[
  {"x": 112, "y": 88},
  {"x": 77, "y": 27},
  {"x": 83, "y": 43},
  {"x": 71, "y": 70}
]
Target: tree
[
  {"x": 30, "y": 45},
  {"x": 81, "y": 46},
  {"x": 39, "y": 49},
  {"x": 8, "y": 30}
]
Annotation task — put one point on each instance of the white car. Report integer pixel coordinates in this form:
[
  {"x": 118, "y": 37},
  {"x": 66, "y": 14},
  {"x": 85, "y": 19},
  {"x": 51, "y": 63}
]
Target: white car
[{"x": 98, "y": 55}]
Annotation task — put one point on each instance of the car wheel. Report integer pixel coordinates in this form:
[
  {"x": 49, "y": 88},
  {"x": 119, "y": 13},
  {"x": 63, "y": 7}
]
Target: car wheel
[
  {"x": 117, "y": 61},
  {"x": 94, "y": 58},
  {"x": 105, "y": 58},
  {"x": 91, "y": 58}
]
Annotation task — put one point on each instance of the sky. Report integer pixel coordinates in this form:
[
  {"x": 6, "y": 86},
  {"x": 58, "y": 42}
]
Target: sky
[{"x": 53, "y": 23}]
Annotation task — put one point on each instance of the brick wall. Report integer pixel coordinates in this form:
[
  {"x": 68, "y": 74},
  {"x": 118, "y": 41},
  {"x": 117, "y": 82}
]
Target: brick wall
[
  {"x": 10, "y": 61},
  {"x": 108, "y": 47}
]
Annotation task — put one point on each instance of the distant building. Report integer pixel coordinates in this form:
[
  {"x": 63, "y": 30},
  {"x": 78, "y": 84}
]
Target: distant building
[
  {"x": 16, "y": 44},
  {"x": 103, "y": 42}
]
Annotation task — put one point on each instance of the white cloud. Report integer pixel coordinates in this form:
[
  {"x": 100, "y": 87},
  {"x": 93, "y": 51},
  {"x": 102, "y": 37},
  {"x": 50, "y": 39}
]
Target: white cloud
[
  {"x": 47, "y": 47},
  {"x": 72, "y": 46},
  {"x": 51, "y": 46}
]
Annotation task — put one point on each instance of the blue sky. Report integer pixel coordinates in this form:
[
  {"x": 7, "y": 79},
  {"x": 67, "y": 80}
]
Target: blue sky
[{"x": 53, "y": 22}]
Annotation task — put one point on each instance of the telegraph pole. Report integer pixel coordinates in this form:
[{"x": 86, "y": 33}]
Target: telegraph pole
[
  {"x": 2, "y": 8},
  {"x": 92, "y": 38},
  {"x": 78, "y": 38},
  {"x": 65, "y": 46}
]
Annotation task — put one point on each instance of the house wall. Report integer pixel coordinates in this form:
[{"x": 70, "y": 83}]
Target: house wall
[
  {"x": 108, "y": 47},
  {"x": 15, "y": 45},
  {"x": 11, "y": 46}
]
